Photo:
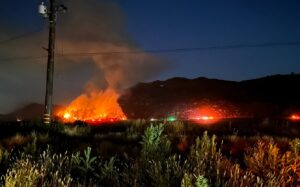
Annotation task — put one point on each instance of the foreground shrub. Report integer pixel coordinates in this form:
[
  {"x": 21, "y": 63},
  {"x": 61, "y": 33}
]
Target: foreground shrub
[
  {"x": 155, "y": 145},
  {"x": 165, "y": 173},
  {"x": 273, "y": 167},
  {"x": 205, "y": 158},
  {"x": 23, "y": 173},
  {"x": 109, "y": 174},
  {"x": 189, "y": 180},
  {"x": 27, "y": 173},
  {"x": 4, "y": 155},
  {"x": 202, "y": 165},
  {"x": 48, "y": 170},
  {"x": 76, "y": 130},
  {"x": 263, "y": 158}
]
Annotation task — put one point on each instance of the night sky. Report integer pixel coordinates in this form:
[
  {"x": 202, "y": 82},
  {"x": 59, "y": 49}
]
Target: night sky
[
  {"x": 176, "y": 24},
  {"x": 148, "y": 25}
]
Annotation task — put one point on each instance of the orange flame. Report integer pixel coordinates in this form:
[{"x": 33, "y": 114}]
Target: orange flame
[
  {"x": 94, "y": 108},
  {"x": 295, "y": 117},
  {"x": 205, "y": 114}
]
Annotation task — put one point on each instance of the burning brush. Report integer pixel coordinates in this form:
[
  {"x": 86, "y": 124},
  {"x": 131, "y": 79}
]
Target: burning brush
[
  {"x": 205, "y": 115},
  {"x": 95, "y": 108}
]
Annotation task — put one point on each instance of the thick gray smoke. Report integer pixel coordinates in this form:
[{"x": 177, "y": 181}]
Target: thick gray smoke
[
  {"x": 100, "y": 27},
  {"x": 89, "y": 26}
]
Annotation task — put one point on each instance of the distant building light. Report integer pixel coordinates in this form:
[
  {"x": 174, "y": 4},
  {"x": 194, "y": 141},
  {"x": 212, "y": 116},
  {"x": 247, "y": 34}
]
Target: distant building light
[
  {"x": 171, "y": 118},
  {"x": 153, "y": 119}
]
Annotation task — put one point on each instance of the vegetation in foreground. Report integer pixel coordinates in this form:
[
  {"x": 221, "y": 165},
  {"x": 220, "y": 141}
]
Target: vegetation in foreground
[{"x": 143, "y": 154}]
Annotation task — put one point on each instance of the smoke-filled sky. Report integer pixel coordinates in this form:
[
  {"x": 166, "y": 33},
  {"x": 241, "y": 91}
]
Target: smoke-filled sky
[{"x": 135, "y": 25}]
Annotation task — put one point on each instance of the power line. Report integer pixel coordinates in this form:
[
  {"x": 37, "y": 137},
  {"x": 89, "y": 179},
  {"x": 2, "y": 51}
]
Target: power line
[
  {"x": 24, "y": 35},
  {"x": 21, "y": 58},
  {"x": 174, "y": 50}
]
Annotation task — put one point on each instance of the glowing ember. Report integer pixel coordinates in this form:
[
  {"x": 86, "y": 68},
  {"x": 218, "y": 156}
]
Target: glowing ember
[
  {"x": 95, "y": 108},
  {"x": 295, "y": 117},
  {"x": 67, "y": 115},
  {"x": 206, "y": 118},
  {"x": 205, "y": 114}
]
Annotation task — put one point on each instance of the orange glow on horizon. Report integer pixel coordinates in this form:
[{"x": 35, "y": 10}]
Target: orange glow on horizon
[
  {"x": 95, "y": 108},
  {"x": 295, "y": 117},
  {"x": 207, "y": 118},
  {"x": 205, "y": 114}
]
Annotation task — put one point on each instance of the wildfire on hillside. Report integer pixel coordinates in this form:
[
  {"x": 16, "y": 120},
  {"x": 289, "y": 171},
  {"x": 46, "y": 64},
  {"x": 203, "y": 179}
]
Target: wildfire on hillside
[
  {"x": 95, "y": 108},
  {"x": 295, "y": 117},
  {"x": 205, "y": 114}
]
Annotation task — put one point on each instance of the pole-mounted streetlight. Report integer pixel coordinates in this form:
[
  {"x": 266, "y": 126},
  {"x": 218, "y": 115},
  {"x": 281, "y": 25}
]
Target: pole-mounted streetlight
[{"x": 51, "y": 14}]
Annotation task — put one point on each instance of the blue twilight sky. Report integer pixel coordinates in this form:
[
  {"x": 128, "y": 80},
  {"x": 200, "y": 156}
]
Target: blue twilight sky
[
  {"x": 151, "y": 25},
  {"x": 159, "y": 24},
  {"x": 198, "y": 23}
]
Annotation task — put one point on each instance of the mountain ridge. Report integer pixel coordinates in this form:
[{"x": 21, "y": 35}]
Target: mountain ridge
[{"x": 265, "y": 96}]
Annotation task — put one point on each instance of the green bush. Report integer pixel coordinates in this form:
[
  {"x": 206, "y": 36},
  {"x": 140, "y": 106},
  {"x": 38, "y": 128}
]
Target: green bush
[
  {"x": 23, "y": 173},
  {"x": 46, "y": 170},
  {"x": 270, "y": 162},
  {"x": 155, "y": 145},
  {"x": 205, "y": 159},
  {"x": 189, "y": 180},
  {"x": 109, "y": 175}
]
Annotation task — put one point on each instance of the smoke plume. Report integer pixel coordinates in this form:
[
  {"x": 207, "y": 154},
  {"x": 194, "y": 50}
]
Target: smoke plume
[
  {"x": 89, "y": 26},
  {"x": 100, "y": 28}
]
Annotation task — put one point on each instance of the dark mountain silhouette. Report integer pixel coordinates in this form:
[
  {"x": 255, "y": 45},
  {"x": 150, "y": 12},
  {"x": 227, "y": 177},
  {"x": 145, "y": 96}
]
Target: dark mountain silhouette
[
  {"x": 272, "y": 96},
  {"x": 281, "y": 89},
  {"x": 28, "y": 112},
  {"x": 276, "y": 95}
]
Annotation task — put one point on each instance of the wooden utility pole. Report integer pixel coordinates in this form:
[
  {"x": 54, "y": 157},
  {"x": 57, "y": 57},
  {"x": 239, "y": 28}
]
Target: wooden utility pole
[
  {"x": 51, "y": 14},
  {"x": 50, "y": 64}
]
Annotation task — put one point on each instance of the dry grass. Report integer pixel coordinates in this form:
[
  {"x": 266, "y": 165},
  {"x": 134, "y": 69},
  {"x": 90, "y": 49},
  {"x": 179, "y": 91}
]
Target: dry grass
[{"x": 267, "y": 161}]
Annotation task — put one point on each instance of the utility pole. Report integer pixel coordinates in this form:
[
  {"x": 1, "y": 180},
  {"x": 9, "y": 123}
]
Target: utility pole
[
  {"x": 50, "y": 65},
  {"x": 51, "y": 14}
]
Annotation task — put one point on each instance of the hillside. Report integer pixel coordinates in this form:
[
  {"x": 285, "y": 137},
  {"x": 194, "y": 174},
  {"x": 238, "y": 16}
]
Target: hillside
[
  {"x": 269, "y": 96},
  {"x": 27, "y": 112},
  {"x": 272, "y": 96}
]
